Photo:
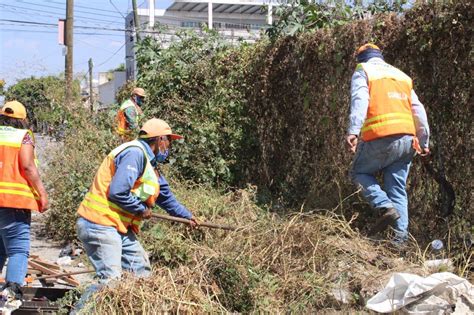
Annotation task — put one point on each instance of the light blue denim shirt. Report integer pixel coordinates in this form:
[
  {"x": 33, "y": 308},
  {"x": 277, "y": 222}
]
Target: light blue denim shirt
[
  {"x": 129, "y": 165},
  {"x": 360, "y": 105}
]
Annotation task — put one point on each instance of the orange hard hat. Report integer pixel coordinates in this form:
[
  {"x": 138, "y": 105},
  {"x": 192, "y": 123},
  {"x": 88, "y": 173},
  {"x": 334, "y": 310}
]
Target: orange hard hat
[
  {"x": 139, "y": 91},
  {"x": 14, "y": 109},
  {"x": 156, "y": 127},
  {"x": 365, "y": 47}
]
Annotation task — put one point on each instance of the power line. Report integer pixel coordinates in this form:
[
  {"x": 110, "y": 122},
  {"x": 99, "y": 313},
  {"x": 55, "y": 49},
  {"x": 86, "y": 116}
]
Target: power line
[
  {"x": 97, "y": 47},
  {"x": 76, "y": 26},
  {"x": 27, "y": 13},
  {"x": 63, "y": 8},
  {"x": 105, "y": 61},
  {"x": 116, "y": 8},
  {"x": 44, "y": 11},
  {"x": 108, "y": 59},
  {"x": 80, "y": 6},
  {"x": 48, "y": 32}
]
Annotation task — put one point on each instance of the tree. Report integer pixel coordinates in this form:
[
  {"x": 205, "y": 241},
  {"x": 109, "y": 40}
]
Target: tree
[{"x": 39, "y": 95}]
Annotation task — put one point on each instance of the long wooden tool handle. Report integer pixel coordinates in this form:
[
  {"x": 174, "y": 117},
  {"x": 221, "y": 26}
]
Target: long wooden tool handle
[
  {"x": 205, "y": 224},
  {"x": 60, "y": 275}
]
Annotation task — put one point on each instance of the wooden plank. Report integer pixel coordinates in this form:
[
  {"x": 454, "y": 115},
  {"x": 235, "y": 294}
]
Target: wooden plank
[
  {"x": 46, "y": 264},
  {"x": 48, "y": 271}
]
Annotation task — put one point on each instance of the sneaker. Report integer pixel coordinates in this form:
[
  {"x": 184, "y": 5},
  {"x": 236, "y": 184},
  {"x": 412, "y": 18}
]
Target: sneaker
[{"x": 388, "y": 218}]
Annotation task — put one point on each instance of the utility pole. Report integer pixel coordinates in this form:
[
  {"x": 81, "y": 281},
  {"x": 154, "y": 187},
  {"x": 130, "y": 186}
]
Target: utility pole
[
  {"x": 91, "y": 91},
  {"x": 209, "y": 14},
  {"x": 69, "y": 50},
  {"x": 151, "y": 14},
  {"x": 135, "y": 20}
]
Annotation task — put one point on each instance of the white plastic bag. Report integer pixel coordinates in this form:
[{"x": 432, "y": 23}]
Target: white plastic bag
[{"x": 439, "y": 293}]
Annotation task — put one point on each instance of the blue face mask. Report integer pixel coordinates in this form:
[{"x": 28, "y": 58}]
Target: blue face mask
[
  {"x": 160, "y": 158},
  {"x": 139, "y": 101}
]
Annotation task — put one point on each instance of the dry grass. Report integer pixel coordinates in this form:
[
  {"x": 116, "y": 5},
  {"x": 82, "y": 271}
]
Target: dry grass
[{"x": 274, "y": 264}]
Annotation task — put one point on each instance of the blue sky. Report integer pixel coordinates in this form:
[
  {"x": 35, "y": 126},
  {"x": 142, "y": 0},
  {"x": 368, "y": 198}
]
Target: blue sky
[{"x": 33, "y": 50}]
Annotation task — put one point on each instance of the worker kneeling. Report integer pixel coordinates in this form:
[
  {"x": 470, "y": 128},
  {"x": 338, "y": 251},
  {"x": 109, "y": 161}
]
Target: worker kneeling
[{"x": 125, "y": 188}]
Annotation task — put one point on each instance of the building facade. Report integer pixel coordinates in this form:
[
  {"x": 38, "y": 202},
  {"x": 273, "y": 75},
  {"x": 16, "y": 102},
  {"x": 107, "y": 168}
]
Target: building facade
[{"x": 235, "y": 20}]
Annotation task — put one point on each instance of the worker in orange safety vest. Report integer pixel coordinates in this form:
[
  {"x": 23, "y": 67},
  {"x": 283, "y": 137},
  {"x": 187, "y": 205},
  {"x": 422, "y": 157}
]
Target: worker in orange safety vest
[
  {"x": 387, "y": 126},
  {"x": 21, "y": 192},
  {"x": 125, "y": 188},
  {"x": 129, "y": 113}
]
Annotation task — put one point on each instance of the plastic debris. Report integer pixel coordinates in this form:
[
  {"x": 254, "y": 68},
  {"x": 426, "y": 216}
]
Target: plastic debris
[
  {"x": 64, "y": 261},
  {"x": 439, "y": 293}
]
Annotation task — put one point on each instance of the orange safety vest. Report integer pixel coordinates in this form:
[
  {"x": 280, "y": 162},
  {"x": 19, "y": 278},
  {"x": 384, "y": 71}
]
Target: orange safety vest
[
  {"x": 123, "y": 128},
  {"x": 389, "y": 111},
  {"x": 15, "y": 190},
  {"x": 97, "y": 208}
]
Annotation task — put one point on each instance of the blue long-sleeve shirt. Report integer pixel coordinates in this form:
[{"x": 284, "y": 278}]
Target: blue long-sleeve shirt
[
  {"x": 360, "y": 104},
  {"x": 129, "y": 166}
]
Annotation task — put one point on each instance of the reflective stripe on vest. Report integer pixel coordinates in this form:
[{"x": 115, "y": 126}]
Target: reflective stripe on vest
[
  {"x": 97, "y": 208},
  {"x": 15, "y": 190},
  {"x": 148, "y": 181},
  {"x": 389, "y": 110}
]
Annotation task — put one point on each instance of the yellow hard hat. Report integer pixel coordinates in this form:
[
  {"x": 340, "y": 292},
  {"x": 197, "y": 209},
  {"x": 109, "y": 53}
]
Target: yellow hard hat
[
  {"x": 365, "y": 47},
  {"x": 156, "y": 127},
  {"x": 139, "y": 92},
  {"x": 14, "y": 109}
]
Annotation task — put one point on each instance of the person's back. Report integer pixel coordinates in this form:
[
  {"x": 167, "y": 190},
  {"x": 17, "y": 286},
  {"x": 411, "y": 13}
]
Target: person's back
[
  {"x": 392, "y": 124},
  {"x": 389, "y": 109}
]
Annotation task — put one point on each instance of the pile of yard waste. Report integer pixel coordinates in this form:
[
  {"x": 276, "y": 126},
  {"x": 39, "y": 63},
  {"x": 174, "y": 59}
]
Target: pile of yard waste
[{"x": 303, "y": 262}]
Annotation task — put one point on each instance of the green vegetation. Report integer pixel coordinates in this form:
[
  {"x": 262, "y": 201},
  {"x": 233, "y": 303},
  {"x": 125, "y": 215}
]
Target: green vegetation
[
  {"x": 43, "y": 98},
  {"x": 303, "y": 16},
  {"x": 269, "y": 119},
  {"x": 196, "y": 84}
]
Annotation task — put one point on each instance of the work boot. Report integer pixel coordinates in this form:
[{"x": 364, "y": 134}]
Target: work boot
[{"x": 388, "y": 218}]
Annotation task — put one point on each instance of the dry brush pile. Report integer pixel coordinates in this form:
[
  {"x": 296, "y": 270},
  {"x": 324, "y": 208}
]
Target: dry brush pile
[{"x": 297, "y": 263}]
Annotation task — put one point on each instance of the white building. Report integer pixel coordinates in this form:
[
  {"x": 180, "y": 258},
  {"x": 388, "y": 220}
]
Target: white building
[
  {"x": 109, "y": 84},
  {"x": 234, "y": 19}
]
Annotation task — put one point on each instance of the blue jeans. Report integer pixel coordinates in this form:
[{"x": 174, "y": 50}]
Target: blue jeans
[
  {"x": 392, "y": 156},
  {"x": 15, "y": 243},
  {"x": 110, "y": 251}
]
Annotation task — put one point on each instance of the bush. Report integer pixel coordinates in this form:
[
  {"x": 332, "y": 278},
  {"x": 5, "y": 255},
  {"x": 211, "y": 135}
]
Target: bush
[
  {"x": 43, "y": 98},
  {"x": 300, "y": 100},
  {"x": 72, "y": 169},
  {"x": 195, "y": 86}
]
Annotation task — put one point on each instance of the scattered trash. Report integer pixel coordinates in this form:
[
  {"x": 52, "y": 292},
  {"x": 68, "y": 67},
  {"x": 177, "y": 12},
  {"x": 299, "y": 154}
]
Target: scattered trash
[
  {"x": 8, "y": 302},
  {"x": 81, "y": 265},
  {"x": 64, "y": 261},
  {"x": 437, "y": 245},
  {"x": 66, "y": 251},
  {"x": 71, "y": 251},
  {"x": 7, "y": 307},
  {"x": 438, "y": 293},
  {"x": 341, "y": 295}
]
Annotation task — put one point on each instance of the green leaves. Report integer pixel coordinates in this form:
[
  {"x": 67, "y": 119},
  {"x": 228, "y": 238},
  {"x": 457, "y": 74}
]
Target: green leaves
[
  {"x": 196, "y": 86},
  {"x": 302, "y": 16}
]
